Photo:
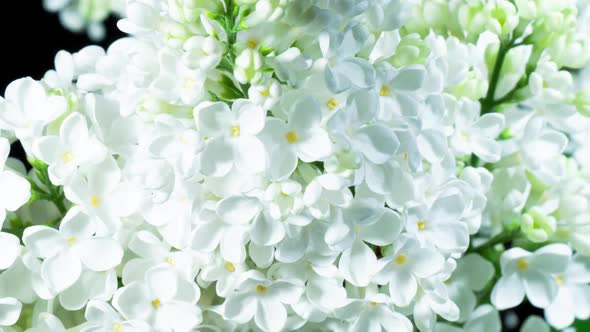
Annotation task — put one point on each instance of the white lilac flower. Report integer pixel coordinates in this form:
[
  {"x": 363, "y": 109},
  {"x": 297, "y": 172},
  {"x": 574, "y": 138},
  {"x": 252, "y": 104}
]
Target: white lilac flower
[
  {"x": 163, "y": 299},
  {"x": 301, "y": 165},
  {"x": 100, "y": 315},
  {"x": 231, "y": 137},
  {"x": 374, "y": 314},
  {"x": 407, "y": 263},
  {"x": 476, "y": 134},
  {"x": 27, "y": 108},
  {"x": 65, "y": 251},
  {"x": 438, "y": 225},
  {"x": 303, "y": 137},
  {"x": 262, "y": 300},
  {"x": 344, "y": 70},
  {"x": 571, "y": 301},
  {"x": 74, "y": 147},
  {"x": 529, "y": 273},
  {"x": 102, "y": 196},
  {"x": 351, "y": 232}
]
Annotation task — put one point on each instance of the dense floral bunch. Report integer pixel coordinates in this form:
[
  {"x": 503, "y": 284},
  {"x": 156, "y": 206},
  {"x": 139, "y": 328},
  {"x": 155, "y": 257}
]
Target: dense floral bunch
[
  {"x": 85, "y": 15},
  {"x": 309, "y": 165}
]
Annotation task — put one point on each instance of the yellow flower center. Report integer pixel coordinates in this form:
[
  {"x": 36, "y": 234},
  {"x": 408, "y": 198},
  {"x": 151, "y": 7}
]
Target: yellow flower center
[
  {"x": 71, "y": 240},
  {"x": 332, "y": 104},
  {"x": 291, "y": 137},
  {"x": 67, "y": 157},
  {"x": 156, "y": 303},
  {"x": 169, "y": 260},
  {"x": 260, "y": 289},
  {"x": 406, "y": 156},
  {"x": 421, "y": 225},
  {"x": 265, "y": 92},
  {"x": 522, "y": 264},
  {"x": 372, "y": 303},
  {"x": 230, "y": 267},
  {"x": 235, "y": 131},
  {"x": 357, "y": 229},
  {"x": 117, "y": 327},
  {"x": 252, "y": 43},
  {"x": 95, "y": 201},
  {"x": 401, "y": 259},
  {"x": 559, "y": 280},
  {"x": 385, "y": 91}
]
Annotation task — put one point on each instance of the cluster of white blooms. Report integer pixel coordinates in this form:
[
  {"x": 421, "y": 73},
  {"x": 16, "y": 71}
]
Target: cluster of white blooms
[
  {"x": 302, "y": 165},
  {"x": 86, "y": 15}
]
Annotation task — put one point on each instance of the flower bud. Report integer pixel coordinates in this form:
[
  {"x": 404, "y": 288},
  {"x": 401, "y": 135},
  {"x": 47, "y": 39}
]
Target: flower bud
[
  {"x": 248, "y": 66},
  {"x": 537, "y": 226},
  {"x": 411, "y": 50}
]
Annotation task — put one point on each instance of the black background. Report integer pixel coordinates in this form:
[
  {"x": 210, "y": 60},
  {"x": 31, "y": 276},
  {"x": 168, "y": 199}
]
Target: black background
[{"x": 29, "y": 39}]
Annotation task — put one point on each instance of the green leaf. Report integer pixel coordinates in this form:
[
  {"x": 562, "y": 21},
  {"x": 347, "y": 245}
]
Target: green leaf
[{"x": 43, "y": 189}]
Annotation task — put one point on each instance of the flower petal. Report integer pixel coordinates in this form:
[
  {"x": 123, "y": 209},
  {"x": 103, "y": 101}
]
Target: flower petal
[
  {"x": 265, "y": 231},
  {"x": 270, "y": 316},
  {"x": 19, "y": 193},
  {"x": 508, "y": 292},
  {"x": 217, "y": 158},
  {"x": 540, "y": 288},
  {"x": 250, "y": 155},
  {"x": 10, "y": 249},
  {"x": 9, "y": 311},
  {"x": 377, "y": 142},
  {"x": 62, "y": 270},
  {"x": 100, "y": 254},
  {"x": 43, "y": 241},
  {"x": 238, "y": 210},
  {"x": 358, "y": 264},
  {"x": 213, "y": 119}
]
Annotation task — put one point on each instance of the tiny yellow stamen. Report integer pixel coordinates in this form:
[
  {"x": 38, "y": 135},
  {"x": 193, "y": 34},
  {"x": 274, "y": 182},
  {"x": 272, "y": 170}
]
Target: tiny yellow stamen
[
  {"x": 559, "y": 280},
  {"x": 67, "y": 157},
  {"x": 401, "y": 259},
  {"x": 235, "y": 131},
  {"x": 332, "y": 104},
  {"x": 421, "y": 225},
  {"x": 522, "y": 264},
  {"x": 292, "y": 137},
  {"x": 265, "y": 92},
  {"x": 169, "y": 260},
  {"x": 95, "y": 201},
  {"x": 156, "y": 303},
  {"x": 260, "y": 289},
  {"x": 357, "y": 229},
  {"x": 71, "y": 240},
  {"x": 372, "y": 303},
  {"x": 385, "y": 91},
  {"x": 117, "y": 327},
  {"x": 406, "y": 156},
  {"x": 230, "y": 267},
  {"x": 252, "y": 43}
]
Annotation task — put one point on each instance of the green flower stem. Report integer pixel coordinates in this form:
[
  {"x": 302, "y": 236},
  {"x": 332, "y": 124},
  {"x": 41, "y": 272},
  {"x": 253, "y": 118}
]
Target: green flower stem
[
  {"x": 502, "y": 238},
  {"x": 47, "y": 191},
  {"x": 230, "y": 23},
  {"x": 488, "y": 104}
]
